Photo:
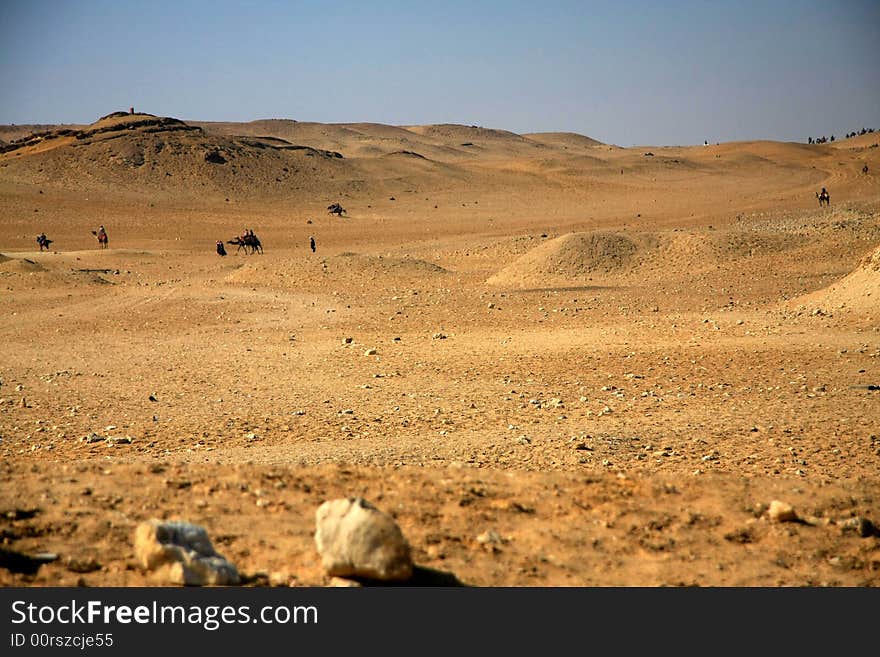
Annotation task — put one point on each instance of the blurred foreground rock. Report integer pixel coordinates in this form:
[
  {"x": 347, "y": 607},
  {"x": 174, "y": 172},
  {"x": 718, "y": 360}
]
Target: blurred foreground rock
[{"x": 181, "y": 553}]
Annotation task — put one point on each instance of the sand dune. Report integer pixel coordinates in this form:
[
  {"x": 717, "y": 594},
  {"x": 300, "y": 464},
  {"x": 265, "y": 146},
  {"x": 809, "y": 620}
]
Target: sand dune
[
  {"x": 858, "y": 291},
  {"x": 569, "y": 259},
  {"x": 565, "y": 140}
]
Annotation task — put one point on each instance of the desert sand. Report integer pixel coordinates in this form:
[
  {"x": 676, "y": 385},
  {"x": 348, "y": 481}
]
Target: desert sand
[{"x": 555, "y": 362}]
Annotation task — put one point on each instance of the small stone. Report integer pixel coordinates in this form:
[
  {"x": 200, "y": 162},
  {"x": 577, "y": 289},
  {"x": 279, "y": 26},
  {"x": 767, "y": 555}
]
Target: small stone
[
  {"x": 370, "y": 352},
  {"x": 341, "y": 582},
  {"x": 490, "y": 537},
  {"x": 82, "y": 566},
  {"x": 279, "y": 578},
  {"x": 781, "y": 512},
  {"x": 861, "y": 526}
]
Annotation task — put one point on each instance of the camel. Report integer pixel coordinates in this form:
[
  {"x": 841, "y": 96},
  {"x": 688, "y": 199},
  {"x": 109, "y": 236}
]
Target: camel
[
  {"x": 101, "y": 234},
  {"x": 250, "y": 243}
]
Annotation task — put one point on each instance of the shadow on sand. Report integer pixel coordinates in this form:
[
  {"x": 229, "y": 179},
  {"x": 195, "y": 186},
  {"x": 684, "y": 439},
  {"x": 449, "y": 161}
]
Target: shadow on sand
[
  {"x": 421, "y": 577},
  {"x": 574, "y": 288}
]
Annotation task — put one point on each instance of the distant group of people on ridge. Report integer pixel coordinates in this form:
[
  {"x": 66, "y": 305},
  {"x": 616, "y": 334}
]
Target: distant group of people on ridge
[{"x": 854, "y": 133}]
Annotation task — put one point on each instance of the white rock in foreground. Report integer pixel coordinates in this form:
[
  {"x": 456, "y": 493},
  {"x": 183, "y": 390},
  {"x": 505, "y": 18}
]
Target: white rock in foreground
[
  {"x": 355, "y": 539},
  {"x": 181, "y": 553}
]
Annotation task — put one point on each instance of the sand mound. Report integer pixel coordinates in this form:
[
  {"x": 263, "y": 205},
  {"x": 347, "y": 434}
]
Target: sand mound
[
  {"x": 25, "y": 274},
  {"x": 690, "y": 251},
  {"x": 342, "y": 269},
  {"x": 20, "y": 266},
  {"x": 563, "y": 140},
  {"x": 570, "y": 258},
  {"x": 730, "y": 245},
  {"x": 369, "y": 264},
  {"x": 859, "y": 291}
]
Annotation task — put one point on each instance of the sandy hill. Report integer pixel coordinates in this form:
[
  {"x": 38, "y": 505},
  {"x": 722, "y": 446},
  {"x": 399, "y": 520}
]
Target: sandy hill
[
  {"x": 445, "y": 142},
  {"x": 353, "y": 140},
  {"x": 858, "y": 291},
  {"x": 867, "y": 140},
  {"x": 140, "y": 153},
  {"x": 11, "y": 132},
  {"x": 570, "y": 259},
  {"x": 564, "y": 140},
  {"x": 281, "y": 160}
]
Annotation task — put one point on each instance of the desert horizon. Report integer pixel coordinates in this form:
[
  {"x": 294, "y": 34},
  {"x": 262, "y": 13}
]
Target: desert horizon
[{"x": 551, "y": 361}]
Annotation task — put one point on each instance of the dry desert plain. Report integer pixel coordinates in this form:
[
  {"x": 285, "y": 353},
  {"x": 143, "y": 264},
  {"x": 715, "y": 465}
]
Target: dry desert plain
[{"x": 555, "y": 362}]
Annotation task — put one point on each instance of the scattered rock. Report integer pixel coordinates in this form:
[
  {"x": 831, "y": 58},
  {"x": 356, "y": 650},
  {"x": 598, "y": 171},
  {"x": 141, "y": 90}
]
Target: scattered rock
[
  {"x": 743, "y": 535},
  {"x": 370, "y": 352},
  {"x": 781, "y": 512},
  {"x": 355, "y": 539},
  {"x": 82, "y": 566},
  {"x": 490, "y": 537},
  {"x": 280, "y": 578},
  {"x": 215, "y": 157},
  {"x": 861, "y": 526},
  {"x": 490, "y": 541},
  {"x": 181, "y": 553},
  {"x": 21, "y": 514},
  {"x": 341, "y": 582}
]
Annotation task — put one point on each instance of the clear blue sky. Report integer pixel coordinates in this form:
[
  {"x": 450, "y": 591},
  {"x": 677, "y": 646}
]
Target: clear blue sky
[{"x": 623, "y": 72}]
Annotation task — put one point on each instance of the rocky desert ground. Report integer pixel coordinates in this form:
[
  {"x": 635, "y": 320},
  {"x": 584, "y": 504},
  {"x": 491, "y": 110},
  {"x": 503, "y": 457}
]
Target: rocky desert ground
[{"x": 554, "y": 362}]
